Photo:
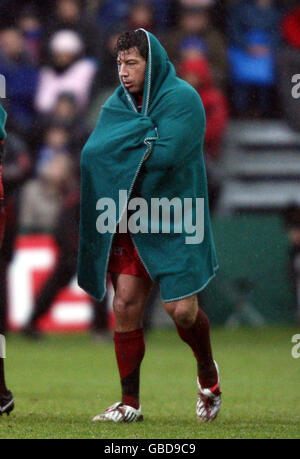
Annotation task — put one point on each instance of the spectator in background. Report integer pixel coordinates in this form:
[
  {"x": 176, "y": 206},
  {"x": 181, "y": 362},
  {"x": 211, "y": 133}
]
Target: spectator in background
[
  {"x": 250, "y": 16},
  {"x": 21, "y": 80},
  {"x": 69, "y": 72},
  {"x": 32, "y": 30},
  {"x": 289, "y": 65},
  {"x": 253, "y": 31},
  {"x": 70, "y": 14},
  {"x": 195, "y": 28},
  {"x": 66, "y": 236},
  {"x": 164, "y": 14},
  {"x": 291, "y": 28},
  {"x": 67, "y": 113},
  {"x": 196, "y": 71},
  {"x": 141, "y": 15},
  {"x": 65, "y": 117},
  {"x": 56, "y": 141},
  {"x": 41, "y": 198},
  {"x": 114, "y": 12},
  {"x": 192, "y": 48},
  {"x": 193, "y": 3},
  {"x": 107, "y": 79}
]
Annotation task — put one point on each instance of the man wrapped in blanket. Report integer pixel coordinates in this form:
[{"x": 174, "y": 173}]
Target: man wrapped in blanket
[{"x": 148, "y": 145}]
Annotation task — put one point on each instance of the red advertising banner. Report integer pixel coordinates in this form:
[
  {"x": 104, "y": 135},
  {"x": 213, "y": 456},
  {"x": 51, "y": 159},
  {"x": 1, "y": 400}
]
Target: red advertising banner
[{"x": 34, "y": 260}]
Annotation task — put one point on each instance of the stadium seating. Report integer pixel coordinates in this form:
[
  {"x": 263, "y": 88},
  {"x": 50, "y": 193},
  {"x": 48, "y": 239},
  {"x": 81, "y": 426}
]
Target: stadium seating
[{"x": 261, "y": 167}]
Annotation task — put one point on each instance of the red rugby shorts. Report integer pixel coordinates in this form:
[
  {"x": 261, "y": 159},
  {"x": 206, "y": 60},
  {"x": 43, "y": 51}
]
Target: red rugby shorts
[{"x": 124, "y": 258}]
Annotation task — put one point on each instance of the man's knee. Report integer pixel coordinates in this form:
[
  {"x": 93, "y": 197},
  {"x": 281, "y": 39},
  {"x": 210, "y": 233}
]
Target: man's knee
[
  {"x": 184, "y": 316},
  {"x": 128, "y": 314},
  {"x": 183, "y": 312},
  {"x": 124, "y": 307}
]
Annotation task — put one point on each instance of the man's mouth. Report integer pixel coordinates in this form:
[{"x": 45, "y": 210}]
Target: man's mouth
[{"x": 127, "y": 84}]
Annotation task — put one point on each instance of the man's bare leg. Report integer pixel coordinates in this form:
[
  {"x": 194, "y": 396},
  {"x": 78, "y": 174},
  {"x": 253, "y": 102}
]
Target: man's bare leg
[
  {"x": 131, "y": 294},
  {"x": 193, "y": 327}
]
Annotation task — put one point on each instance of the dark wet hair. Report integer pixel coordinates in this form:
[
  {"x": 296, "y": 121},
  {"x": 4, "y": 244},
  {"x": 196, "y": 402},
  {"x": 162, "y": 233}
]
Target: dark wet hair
[{"x": 133, "y": 39}]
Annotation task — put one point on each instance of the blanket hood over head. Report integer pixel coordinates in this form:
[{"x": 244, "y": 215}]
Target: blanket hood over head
[{"x": 169, "y": 133}]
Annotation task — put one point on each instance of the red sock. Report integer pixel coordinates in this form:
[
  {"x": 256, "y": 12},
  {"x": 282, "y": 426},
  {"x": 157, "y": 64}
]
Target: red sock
[
  {"x": 198, "y": 338},
  {"x": 130, "y": 350}
]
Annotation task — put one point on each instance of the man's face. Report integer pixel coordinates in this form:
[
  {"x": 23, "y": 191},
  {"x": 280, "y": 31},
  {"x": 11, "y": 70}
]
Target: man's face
[
  {"x": 132, "y": 70},
  {"x": 11, "y": 42},
  {"x": 194, "y": 23},
  {"x": 68, "y": 10}
]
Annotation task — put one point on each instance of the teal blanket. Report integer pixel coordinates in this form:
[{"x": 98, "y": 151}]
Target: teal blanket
[
  {"x": 2, "y": 123},
  {"x": 169, "y": 133}
]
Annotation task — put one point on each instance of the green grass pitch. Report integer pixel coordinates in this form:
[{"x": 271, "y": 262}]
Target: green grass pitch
[{"x": 61, "y": 383}]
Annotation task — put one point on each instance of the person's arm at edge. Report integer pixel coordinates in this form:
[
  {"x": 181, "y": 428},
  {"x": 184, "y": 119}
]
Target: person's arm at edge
[{"x": 2, "y": 138}]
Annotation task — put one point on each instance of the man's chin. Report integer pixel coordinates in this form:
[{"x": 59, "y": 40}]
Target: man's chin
[{"x": 132, "y": 90}]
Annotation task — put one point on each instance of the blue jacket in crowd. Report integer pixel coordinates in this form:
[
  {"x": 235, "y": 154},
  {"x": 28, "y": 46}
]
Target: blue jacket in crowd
[{"x": 248, "y": 17}]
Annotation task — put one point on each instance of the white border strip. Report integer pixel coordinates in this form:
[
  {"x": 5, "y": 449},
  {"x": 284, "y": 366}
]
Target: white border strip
[
  {"x": 149, "y": 63},
  {"x": 2, "y": 347},
  {"x": 195, "y": 291}
]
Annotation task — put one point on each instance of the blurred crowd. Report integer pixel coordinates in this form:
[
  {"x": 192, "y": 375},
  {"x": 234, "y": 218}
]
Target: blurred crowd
[{"x": 58, "y": 60}]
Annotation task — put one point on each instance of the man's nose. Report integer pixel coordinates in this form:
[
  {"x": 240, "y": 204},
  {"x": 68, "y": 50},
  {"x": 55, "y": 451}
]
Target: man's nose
[{"x": 123, "y": 71}]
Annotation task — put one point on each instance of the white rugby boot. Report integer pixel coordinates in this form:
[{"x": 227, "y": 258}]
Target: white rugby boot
[
  {"x": 208, "y": 401},
  {"x": 7, "y": 403},
  {"x": 118, "y": 412}
]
